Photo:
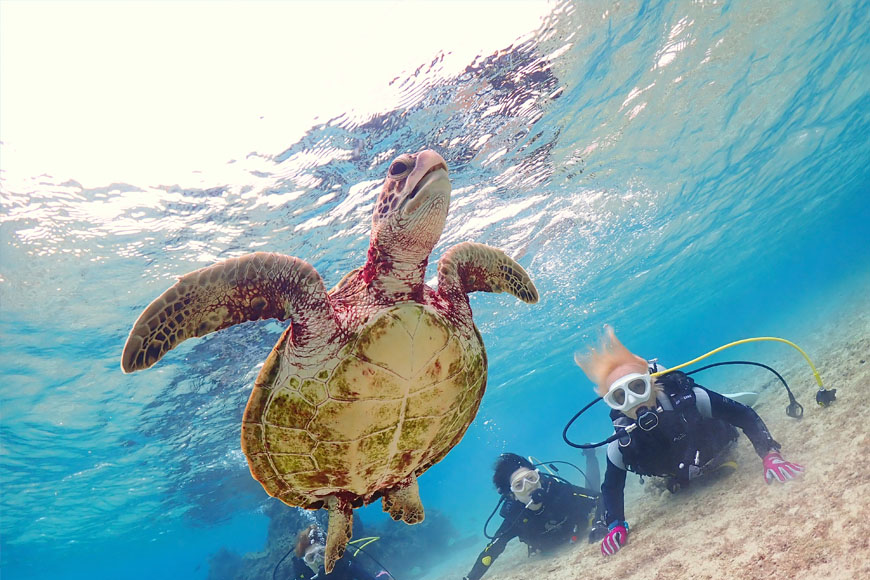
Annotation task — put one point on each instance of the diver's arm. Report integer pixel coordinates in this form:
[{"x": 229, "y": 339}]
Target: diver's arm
[
  {"x": 489, "y": 554},
  {"x": 739, "y": 415},
  {"x": 775, "y": 467},
  {"x": 613, "y": 492},
  {"x": 614, "y": 503}
]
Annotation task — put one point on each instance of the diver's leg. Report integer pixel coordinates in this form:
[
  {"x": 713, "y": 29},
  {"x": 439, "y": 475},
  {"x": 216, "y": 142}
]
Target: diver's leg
[
  {"x": 593, "y": 471},
  {"x": 723, "y": 463}
]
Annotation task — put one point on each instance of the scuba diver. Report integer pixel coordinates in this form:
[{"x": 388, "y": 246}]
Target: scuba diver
[
  {"x": 671, "y": 427},
  {"x": 544, "y": 511},
  {"x": 309, "y": 555}
]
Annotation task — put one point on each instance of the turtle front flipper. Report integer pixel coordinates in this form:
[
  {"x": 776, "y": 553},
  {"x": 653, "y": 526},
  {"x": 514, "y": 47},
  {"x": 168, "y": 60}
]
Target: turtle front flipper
[
  {"x": 403, "y": 502},
  {"x": 339, "y": 532},
  {"x": 471, "y": 267},
  {"x": 252, "y": 287}
]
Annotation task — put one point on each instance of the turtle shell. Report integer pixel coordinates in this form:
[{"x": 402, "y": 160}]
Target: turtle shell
[{"x": 392, "y": 401}]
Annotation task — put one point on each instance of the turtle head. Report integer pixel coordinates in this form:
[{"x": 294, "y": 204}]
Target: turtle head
[{"x": 412, "y": 208}]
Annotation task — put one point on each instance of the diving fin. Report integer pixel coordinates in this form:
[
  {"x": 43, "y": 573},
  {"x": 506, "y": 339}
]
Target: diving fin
[{"x": 746, "y": 398}]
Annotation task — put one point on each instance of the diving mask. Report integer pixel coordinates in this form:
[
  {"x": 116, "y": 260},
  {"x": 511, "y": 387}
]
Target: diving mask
[
  {"x": 524, "y": 483},
  {"x": 314, "y": 556},
  {"x": 629, "y": 391},
  {"x": 525, "y": 480}
]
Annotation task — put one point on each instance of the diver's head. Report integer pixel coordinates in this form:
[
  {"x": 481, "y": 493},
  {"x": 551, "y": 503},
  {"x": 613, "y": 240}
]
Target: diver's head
[
  {"x": 524, "y": 483},
  {"x": 311, "y": 547},
  {"x": 621, "y": 377},
  {"x": 515, "y": 477},
  {"x": 628, "y": 392}
]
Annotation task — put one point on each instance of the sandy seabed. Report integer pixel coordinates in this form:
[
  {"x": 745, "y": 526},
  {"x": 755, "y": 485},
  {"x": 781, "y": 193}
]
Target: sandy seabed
[{"x": 817, "y": 527}]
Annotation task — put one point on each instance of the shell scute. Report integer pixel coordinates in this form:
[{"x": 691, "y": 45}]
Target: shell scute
[
  {"x": 417, "y": 434},
  {"x": 431, "y": 338},
  {"x": 284, "y": 440},
  {"x": 471, "y": 398},
  {"x": 257, "y": 403},
  {"x": 261, "y": 464},
  {"x": 408, "y": 318},
  {"x": 287, "y": 463},
  {"x": 346, "y": 420},
  {"x": 448, "y": 429},
  {"x": 374, "y": 450},
  {"x": 290, "y": 409},
  {"x": 442, "y": 366},
  {"x": 310, "y": 480},
  {"x": 380, "y": 346},
  {"x": 356, "y": 379},
  {"x": 402, "y": 462},
  {"x": 332, "y": 462},
  {"x": 252, "y": 438},
  {"x": 426, "y": 403},
  {"x": 313, "y": 391}
]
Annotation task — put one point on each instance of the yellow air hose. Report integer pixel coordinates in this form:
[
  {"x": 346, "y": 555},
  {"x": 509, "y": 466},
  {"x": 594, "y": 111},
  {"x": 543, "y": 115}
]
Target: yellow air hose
[
  {"x": 360, "y": 547},
  {"x": 756, "y": 339}
]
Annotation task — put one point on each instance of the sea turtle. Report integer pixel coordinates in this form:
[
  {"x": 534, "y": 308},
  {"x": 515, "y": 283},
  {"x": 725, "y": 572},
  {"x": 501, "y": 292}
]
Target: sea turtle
[{"x": 373, "y": 381}]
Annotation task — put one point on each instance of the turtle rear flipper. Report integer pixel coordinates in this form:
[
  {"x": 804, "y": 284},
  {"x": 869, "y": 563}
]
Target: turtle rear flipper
[
  {"x": 339, "y": 532},
  {"x": 471, "y": 267},
  {"x": 252, "y": 287},
  {"x": 403, "y": 503}
]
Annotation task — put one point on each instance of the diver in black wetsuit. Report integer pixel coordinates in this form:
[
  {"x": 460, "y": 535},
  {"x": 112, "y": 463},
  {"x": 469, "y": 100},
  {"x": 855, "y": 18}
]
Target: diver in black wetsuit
[
  {"x": 543, "y": 511},
  {"x": 308, "y": 560},
  {"x": 673, "y": 428}
]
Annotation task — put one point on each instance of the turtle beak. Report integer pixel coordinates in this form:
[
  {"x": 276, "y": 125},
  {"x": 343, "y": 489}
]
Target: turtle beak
[{"x": 435, "y": 184}]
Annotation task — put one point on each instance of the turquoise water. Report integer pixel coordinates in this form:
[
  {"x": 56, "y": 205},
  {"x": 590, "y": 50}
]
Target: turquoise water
[{"x": 690, "y": 172}]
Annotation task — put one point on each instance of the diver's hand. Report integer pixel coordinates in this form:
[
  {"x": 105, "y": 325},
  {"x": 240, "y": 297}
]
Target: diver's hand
[
  {"x": 777, "y": 468},
  {"x": 615, "y": 539}
]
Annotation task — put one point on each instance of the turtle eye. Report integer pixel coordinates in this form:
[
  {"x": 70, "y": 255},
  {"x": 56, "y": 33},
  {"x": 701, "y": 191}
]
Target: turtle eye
[{"x": 400, "y": 168}]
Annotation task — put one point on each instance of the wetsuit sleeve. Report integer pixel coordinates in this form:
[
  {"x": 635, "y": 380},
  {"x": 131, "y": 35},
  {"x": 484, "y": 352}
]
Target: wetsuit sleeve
[
  {"x": 741, "y": 416},
  {"x": 492, "y": 551},
  {"x": 613, "y": 493}
]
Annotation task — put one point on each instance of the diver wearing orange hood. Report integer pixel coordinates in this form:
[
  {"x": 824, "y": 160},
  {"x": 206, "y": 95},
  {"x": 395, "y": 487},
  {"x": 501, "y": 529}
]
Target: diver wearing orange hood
[{"x": 676, "y": 429}]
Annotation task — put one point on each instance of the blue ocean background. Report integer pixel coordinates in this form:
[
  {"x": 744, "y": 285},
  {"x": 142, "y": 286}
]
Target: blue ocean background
[{"x": 691, "y": 172}]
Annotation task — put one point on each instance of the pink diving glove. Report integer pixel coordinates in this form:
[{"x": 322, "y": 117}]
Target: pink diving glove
[
  {"x": 775, "y": 467},
  {"x": 615, "y": 539}
]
